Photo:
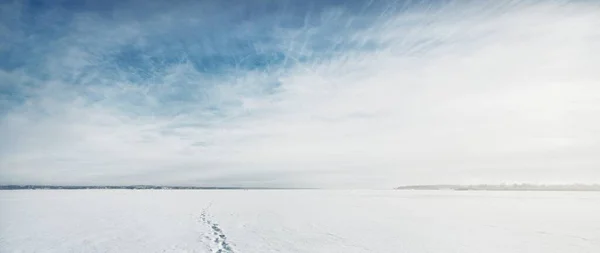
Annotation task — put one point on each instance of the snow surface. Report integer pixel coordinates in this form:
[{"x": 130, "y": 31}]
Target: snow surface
[{"x": 298, "y": 221}]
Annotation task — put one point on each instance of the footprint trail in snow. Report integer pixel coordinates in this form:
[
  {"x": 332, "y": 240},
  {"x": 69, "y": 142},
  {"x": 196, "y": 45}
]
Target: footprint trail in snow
[{"x": 217, "y": 238}]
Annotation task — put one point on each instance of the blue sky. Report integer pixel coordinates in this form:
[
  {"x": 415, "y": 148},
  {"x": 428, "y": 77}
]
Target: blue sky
[{"x": 299, "y": 93}]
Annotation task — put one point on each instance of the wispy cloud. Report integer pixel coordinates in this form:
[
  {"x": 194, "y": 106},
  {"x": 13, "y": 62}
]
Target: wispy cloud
[{"x": 275, "y": 94}]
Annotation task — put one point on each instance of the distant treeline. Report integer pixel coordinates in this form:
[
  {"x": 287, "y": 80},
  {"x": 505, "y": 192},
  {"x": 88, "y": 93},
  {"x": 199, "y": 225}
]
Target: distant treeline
[
  {"x": 126, "y": 187},
  {"x": 505, "y": 187}
]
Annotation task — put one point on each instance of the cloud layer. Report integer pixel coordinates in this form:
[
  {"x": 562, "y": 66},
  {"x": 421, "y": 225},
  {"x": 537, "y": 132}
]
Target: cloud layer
[{"x": 323, "y": 94}]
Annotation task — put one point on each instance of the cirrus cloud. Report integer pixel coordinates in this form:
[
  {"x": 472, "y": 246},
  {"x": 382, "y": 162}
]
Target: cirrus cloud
[{"x": 277, "y": 94}]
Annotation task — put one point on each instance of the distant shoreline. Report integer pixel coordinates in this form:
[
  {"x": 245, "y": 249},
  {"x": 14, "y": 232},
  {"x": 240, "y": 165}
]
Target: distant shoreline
[
  {"x": 504, "y": 187},
  {"x": 444, "y": 187},
  {"x": 133, "y": 187}
]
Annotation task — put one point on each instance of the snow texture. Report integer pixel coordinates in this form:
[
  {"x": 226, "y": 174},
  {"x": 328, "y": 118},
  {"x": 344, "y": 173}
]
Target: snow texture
[{"x": 227, "y": 221}]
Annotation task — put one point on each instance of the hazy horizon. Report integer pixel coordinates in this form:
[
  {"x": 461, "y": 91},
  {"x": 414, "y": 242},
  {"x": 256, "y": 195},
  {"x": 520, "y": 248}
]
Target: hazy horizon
[{"x": 328, "y": 94}]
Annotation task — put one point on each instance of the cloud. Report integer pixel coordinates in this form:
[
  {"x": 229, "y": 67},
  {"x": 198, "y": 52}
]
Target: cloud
[{"x": 280, "y": 95}]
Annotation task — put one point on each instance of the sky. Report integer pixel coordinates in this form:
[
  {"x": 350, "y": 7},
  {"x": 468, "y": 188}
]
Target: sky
[{"x": 265, "y": 93}]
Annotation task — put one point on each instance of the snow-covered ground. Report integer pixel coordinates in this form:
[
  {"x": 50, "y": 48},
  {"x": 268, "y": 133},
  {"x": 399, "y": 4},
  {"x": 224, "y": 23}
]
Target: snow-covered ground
[{"x": 298, "y": 221}]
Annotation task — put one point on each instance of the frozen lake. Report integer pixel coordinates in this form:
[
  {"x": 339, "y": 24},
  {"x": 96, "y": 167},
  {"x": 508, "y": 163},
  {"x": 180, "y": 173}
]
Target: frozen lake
[{"x": 298, "y": 221}]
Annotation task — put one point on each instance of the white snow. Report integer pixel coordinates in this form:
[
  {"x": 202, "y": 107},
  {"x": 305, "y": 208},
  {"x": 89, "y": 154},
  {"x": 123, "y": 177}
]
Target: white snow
[{"x": 298, "y": 221}]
